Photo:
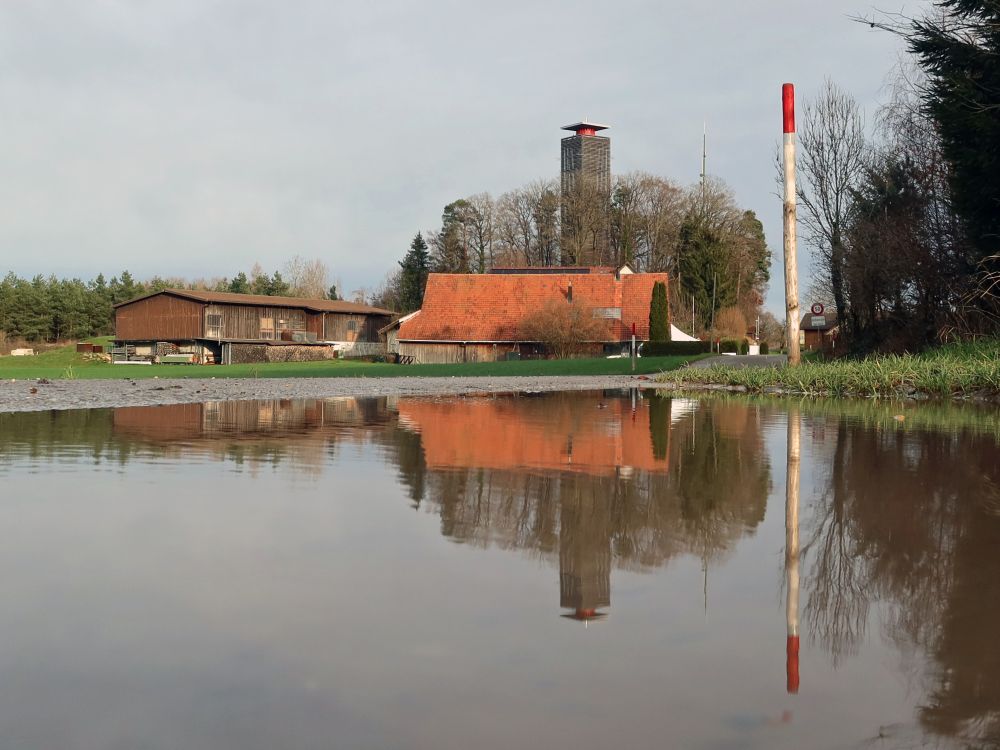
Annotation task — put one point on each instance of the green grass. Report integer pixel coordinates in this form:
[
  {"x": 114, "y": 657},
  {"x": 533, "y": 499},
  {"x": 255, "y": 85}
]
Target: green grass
[
  {"x": 955, "y": 370},
  {"x": 65, "y": 363}
]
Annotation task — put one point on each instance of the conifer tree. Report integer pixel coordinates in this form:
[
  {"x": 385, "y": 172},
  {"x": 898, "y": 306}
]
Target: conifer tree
[
  {"x": 659, "y": 324},
  {"x": 413, "y": 276}
]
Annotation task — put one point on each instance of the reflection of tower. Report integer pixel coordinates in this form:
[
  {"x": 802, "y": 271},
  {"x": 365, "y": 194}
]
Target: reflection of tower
[
  {"x": 584, "y": 552},
  {"x": 792, "y": 553}
]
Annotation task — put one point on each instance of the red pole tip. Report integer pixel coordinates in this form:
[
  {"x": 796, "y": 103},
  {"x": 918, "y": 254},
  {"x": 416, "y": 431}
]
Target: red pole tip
[
  {"x": 792, "y": 664},
  {"x": 788, "y": 107}
]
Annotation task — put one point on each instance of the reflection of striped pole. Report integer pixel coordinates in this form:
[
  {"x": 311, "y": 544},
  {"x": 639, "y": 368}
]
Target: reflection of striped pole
[
  {"x": 791, "y": 262},
  {"x": 792, "y": 552}
]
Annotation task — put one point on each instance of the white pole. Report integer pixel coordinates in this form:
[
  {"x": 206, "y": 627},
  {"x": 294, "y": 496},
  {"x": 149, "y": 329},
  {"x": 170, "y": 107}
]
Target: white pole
[{"x": 791, "y": 262}]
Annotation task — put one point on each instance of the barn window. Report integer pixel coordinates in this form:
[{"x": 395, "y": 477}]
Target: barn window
[
  {"x": 352, "y": 325},
  {"x": 213, "y": 326}
]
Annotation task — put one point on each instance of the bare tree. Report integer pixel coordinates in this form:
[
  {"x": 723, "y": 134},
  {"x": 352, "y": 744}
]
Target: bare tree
[
  {"x": 663, "y": 213},
  {"x": 832, "y": 163},
  {"x": 526, "y": 229},
  {"x": 515, "y": 226},
  {"x": 307, "y": 278},
  {"x": 585, "y": 225},
  {"x": 479, "y": 216}
]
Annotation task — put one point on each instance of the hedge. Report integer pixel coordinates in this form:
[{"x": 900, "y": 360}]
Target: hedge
[
  {"x": 674, "y": 348},
  {"x": 729, "y": 346}
]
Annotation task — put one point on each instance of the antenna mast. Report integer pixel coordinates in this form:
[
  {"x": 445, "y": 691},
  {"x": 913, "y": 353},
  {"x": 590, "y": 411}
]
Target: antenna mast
[{"x": 704, "y": 158}]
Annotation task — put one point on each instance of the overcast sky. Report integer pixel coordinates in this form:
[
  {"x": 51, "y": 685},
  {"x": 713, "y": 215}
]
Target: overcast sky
[{"x": 195, "y": 137}]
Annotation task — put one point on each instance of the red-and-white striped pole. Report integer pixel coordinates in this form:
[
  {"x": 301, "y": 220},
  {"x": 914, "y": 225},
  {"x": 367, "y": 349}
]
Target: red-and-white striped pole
[{"x": 791, "y": 261}]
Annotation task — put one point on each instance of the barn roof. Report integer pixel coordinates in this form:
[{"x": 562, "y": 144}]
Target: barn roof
[
  {"x": 229, "y": 298},
  {"x": 488, "y": 307}
]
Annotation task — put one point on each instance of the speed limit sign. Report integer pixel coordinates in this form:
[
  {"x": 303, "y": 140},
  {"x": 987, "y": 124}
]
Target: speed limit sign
[{"x": 817, "y": 309}]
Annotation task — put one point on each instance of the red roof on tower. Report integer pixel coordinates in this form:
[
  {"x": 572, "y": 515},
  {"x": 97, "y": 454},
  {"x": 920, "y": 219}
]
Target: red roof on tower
[{"x": 584, "y": 127}]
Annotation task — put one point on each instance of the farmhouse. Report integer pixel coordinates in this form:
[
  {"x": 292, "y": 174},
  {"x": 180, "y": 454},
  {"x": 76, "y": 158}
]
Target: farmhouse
[
  {"x": 220, "y": 327},
  {"x": 481, "y": 317}
]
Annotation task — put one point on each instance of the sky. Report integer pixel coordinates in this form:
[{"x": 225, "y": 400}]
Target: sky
[{"x": 196, "y": 137}]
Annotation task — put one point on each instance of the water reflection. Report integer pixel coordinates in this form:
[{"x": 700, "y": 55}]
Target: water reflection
[
  {"x": 897, "y": 564},
  {"x": 908, "y": 522},
  {"x": 588, "y": 477}
]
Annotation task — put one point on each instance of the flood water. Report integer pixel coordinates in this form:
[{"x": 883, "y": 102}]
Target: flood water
[{"x": 562, "y": 570}]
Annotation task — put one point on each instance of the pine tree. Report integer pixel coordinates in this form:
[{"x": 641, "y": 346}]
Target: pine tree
[
  {"x": 659, "y": 323},
  {"x": 704, "y": 271},
  {"x": 239, "y": 284},
  {"x": 413, "y": 276}
]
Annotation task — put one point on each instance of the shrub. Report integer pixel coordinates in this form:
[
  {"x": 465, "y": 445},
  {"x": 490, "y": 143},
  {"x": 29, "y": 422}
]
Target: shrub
[
  {"x": 744, "y": 347},
  {"x": 675, "y": 348},
  {"x": 730, "y": 322},
  {"x": 728, "y": 346},
  {"x": 564, "y": 327},
  {"x": 764, "y": 349}
]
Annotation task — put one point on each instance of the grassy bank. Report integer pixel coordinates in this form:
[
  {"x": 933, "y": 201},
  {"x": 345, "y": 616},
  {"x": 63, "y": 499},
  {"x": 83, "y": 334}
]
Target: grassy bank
[
  {"x": 968, "y": 370},
  {"x": 66, "y": 363},
  {"x": 878, "y": 414}
]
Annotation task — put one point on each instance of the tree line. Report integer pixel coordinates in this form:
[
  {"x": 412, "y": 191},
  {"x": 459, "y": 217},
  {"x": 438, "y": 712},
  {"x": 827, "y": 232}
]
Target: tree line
[
  {"x": 52, "y": 309},
  {"x": 903, "y": 213},
  {"x": 714, "y": 250}
]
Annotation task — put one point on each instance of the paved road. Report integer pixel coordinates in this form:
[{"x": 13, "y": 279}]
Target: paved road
[{"x": 747, "y": 360}]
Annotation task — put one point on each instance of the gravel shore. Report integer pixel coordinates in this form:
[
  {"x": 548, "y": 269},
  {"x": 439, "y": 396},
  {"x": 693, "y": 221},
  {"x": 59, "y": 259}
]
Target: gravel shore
[{"x": 31, "y": 395}]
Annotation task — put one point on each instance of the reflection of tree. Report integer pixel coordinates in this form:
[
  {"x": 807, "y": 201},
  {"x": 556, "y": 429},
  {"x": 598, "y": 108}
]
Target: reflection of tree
[
  {"x": 659, "y": 426},
  {"x": 408, "y": 455},
  {"x": 722, "y": 479},
  {"x": 838, "y": 601},
  {"x": 906, "y": 521}
]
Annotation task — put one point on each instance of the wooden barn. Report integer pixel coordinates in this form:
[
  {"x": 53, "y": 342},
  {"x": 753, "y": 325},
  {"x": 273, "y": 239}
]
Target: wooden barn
[
  {"x": 480, "y": 317},
  {"x": 182, "y": 325}
]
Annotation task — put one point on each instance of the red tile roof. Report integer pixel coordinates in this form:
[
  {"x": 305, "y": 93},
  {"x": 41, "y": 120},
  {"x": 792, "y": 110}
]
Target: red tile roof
[{"x": 487, "y": 307}]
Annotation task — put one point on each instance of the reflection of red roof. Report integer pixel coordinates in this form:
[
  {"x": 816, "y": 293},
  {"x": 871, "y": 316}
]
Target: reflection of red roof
[
  {"x": 589, "y": 435},
  {"x": 491, "y": 307}
]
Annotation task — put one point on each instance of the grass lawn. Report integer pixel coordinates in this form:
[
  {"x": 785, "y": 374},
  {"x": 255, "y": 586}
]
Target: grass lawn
[{"x": 66, "y": 363}]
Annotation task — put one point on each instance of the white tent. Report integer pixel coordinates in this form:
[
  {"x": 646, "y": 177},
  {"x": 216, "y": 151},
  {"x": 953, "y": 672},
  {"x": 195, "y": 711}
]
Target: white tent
[{"x": 676, "y": 334}]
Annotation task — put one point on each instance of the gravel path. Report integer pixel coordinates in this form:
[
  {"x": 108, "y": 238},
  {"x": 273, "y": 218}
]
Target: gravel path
[{"x": 89, "y": 394}]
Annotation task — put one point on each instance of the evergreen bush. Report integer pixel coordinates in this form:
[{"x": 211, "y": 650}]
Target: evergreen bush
[{"x": 674, "y": 348}]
